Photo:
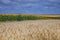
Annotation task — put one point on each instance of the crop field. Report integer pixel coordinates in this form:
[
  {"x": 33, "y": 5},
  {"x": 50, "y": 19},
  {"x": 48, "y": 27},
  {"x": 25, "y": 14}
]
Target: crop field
[
  {"x": 20, "y": 17},
  {"x": 30, "y": 30},
  {"x": 29, "y": 27}
]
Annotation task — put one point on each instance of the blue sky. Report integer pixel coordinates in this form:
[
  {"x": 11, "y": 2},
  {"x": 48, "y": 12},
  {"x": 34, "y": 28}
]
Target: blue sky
[{"x": 30, "y": 6}]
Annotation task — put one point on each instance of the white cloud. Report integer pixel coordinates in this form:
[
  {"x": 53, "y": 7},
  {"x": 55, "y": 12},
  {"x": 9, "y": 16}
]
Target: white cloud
[
  {"x": 6, "y": 1},
  {"x": 54, "y": 0},
  {"x": 0, "y": 7},
  {"x": 46, "y": 7}
]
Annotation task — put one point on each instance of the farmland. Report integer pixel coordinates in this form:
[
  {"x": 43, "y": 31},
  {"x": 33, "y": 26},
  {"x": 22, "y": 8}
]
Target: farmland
[
  {"x": 30, "y": 30},
  {"x": 29, "y": 27}
]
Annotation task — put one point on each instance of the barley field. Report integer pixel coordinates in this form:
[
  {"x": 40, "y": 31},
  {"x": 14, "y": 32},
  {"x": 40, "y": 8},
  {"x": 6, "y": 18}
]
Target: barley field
[{"x": 30, "y": 30}]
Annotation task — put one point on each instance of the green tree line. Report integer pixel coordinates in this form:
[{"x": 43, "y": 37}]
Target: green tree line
[{"x": 24, "y": 17}]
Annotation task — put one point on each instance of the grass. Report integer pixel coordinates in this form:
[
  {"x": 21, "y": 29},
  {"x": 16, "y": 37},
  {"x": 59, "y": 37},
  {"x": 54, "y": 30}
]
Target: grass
[{"x": 21, "y": 17}]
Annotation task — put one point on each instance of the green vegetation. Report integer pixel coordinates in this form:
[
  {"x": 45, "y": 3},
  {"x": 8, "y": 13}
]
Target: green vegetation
[{"x": 23, "y": 17}]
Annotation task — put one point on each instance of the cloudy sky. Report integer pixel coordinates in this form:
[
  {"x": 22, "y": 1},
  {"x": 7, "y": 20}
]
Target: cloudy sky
[{"x": 30, "y": 6}]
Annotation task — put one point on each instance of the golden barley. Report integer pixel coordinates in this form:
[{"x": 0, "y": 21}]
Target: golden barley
[{"x": 30, "y": 30}]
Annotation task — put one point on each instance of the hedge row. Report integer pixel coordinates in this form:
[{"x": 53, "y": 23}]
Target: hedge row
[
  {"x": 18, "y": 18},
  {"x": 24, "y": 17}
]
